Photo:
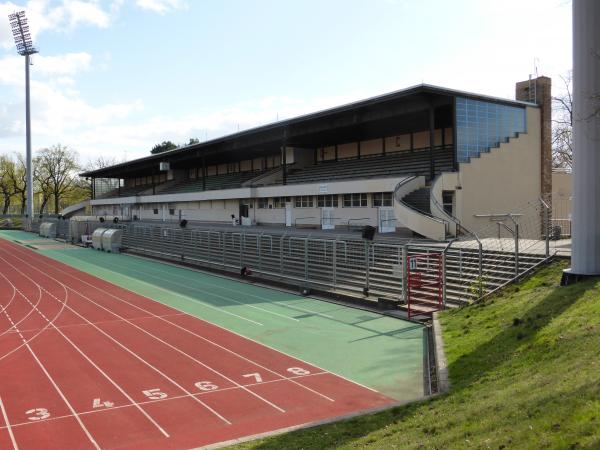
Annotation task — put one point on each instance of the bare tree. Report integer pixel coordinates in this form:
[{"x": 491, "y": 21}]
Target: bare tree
[
  {"x": 562, "y": 127},
  {"x": 6, "y": 184},
  {"x": 61, "y": 164},
  {"x": 42, "y": 182},
  {"x": 17, "y": 177},
  {"x": 99, "y": 163}
]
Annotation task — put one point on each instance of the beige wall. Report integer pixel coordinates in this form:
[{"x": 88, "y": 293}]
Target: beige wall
[
  {"x": 503, "y": 181},
  {"x": 561, "y": 195}
]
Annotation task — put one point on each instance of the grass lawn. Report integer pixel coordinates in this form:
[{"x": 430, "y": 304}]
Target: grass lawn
[{"x": 525, "y": 373}]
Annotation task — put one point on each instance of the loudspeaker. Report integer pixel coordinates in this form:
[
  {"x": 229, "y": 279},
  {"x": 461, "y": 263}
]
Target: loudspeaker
[
  {"x": 183, "y": 223},
  {"x": 368, "y": 232},
  {"x": 101, "y": 219},
  {"x": 116, "y": 220}
]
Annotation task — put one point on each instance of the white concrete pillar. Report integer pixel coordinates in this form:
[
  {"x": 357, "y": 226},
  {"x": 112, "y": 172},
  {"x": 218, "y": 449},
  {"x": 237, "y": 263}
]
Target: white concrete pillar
[{"x": 586, "y": 138}]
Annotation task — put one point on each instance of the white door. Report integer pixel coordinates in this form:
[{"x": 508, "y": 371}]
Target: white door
[
  {"x": 387, "y": 220},
  {"x": 288, "y": 214},
  {"x": 327, "y": 219}
]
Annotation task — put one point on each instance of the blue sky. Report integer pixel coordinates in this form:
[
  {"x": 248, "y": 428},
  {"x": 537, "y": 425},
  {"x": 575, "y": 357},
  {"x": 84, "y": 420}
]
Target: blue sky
[{"x": 115, "y": 77}]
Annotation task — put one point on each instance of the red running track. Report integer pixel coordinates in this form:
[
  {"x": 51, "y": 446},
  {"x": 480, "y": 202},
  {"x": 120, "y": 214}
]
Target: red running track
[{"x": 87, "y": 364}]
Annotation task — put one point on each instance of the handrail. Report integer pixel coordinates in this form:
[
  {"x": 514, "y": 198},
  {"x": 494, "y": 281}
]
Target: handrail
[
  {"x": 399, "y": 200},
  {"x": 302, "y": 218},
  {"x": 363, "y": 218}
]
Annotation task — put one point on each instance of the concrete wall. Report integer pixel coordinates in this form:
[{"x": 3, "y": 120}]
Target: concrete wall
[{"x": 502, "y": 181}]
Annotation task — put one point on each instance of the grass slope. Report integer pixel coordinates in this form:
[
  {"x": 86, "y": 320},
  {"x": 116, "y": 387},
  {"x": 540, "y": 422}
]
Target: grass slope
[{"x": 525, "y": 373}]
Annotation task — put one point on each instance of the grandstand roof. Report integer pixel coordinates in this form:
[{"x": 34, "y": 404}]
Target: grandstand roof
[{"x": 354, "y": 120}]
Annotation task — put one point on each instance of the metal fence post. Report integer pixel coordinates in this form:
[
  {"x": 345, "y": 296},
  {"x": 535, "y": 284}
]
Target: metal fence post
[
  {"x": 404, "y": 273},
  {"x": 516, "y": 249},
  {"x": 306, "y": 260},
  {"x": 367, "y": 248},
  {"x": 334, "y": 262}
]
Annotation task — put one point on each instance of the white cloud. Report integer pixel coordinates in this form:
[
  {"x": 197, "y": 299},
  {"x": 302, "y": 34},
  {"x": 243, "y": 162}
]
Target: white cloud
[{"x": 160, "y": 6}]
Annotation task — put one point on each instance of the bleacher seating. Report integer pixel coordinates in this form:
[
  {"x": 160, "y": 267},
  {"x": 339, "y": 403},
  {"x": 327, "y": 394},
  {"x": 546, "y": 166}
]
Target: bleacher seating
[
  {"x": 125, "y": 192},
  {"x": 401, "y": 163},
  {"x": 225, "y": 181}
]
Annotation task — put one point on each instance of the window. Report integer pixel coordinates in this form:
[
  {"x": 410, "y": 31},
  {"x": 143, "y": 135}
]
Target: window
[
  {"x": 192, "y": 173},
  {"x": 382, "y": 199},
  {"x": 355, "y": 200},
  {"x": 263, "y": 203},
  {"x": 279, "y": 202},
  {"x": 327, "y": 201},
  {"x": 304, "y": 201},
  {"x": 155, "y": 210},
  {"x": 481, "y": 125},
  {"x": 232, "y": 167},
  {"x": 171, "y": 212}
]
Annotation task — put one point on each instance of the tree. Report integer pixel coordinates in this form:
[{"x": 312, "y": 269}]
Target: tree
[
  {"x": 6, "y": 185},
  {"x": 61, "y": 164},
  {"x": 42, "y": 182},
  {"x": 193, "y": 141},
  {"x": 17, "y": 177},
  {"x": 163, "y": 147},
  {"x": 99, "y": 163},
  {"x": 562, "y": 129}
]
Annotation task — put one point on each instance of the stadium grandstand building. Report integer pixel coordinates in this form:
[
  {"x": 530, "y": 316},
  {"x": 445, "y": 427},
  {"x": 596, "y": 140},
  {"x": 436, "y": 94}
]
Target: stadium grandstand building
[{"x": 425, "y": 160}]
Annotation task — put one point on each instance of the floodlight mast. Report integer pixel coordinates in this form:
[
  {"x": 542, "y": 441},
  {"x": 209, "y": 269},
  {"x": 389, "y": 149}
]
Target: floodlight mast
[{"x": 24, "y": 44}]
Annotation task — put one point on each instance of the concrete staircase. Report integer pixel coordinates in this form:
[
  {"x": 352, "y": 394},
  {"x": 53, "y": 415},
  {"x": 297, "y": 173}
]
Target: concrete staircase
[{"x": 419, "y": 200}]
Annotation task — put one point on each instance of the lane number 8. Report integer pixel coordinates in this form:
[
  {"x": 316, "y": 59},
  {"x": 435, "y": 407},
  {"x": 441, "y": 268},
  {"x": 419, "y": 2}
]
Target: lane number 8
[{"x": 298, "y": 371}]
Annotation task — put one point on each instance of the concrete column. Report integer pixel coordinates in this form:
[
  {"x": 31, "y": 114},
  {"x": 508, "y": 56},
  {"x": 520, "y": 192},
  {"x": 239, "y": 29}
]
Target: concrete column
[{"x": 586, "y": 138}]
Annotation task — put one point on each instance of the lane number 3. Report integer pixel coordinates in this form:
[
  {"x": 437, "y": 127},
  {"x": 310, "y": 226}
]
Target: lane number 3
[{"x": 37, "y": 414}]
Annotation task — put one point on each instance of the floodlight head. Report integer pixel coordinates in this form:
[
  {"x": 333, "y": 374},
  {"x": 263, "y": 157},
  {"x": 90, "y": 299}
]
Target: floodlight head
[{"x": 20, "y": 30}]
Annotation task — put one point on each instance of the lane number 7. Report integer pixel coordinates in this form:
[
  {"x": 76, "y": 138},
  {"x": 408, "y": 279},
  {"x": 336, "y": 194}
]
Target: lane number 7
[{"x": 255, "y": 375}]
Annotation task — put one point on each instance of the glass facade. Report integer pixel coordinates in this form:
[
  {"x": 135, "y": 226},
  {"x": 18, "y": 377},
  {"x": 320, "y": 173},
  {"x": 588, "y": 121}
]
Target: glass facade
[{"x": 481, "y": 125}]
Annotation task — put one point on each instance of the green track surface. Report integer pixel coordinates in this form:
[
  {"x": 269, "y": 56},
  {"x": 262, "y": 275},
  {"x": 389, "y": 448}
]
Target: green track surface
[{"x": 381, "y": 352}]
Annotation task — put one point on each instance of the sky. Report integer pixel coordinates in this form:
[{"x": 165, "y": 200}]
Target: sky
[{"x": 115, "y": 77}]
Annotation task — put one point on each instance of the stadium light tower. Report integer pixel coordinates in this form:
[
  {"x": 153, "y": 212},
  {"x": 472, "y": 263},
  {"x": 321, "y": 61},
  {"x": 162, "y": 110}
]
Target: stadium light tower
[{"x": 25, "y": 48}]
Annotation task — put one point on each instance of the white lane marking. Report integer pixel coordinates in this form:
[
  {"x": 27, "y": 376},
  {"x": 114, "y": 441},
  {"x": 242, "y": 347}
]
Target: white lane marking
[
  {"x": 229, "y": 299},
  {"x": 7, "y": 422},
  {"x": 239, "y": 292},
  {"x": 83, "y": 427},
  {"x": 190, "y": 299},
  {"x": 88, "y": 359},
  {"x": 39, "y": 299},
  {"x": 254, "y": 394},
  {"x": 135, "y": 355},
  {"x": 174, "y": 397},
  {"x": 22, "y": 251},
  {"x": 208, "y": 340}
]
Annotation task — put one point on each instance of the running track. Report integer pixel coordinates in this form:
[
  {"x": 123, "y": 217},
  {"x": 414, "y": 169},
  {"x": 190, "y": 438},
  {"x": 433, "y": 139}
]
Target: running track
[{"x": 87, "y": 364}]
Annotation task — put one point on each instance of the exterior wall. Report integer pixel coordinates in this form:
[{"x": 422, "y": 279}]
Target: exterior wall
[
  {"x": 561, "y": 195},
  {"x": 502, "y": 181}
]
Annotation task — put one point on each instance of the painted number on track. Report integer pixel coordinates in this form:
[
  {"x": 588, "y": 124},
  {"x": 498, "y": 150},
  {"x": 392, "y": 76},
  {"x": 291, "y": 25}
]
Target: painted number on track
[
  {"x": 154, "y": 394},
  {"x": 298, "y": 371},
  {"x": 255, "y": 375},
  {"x": 37, "y": 414},
  {"x": 206, "y": 386},
  {"x": 100, "y": 404}
]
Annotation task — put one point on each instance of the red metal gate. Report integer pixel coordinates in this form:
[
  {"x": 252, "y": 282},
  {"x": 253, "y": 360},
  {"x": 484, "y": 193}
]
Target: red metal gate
[{"x": 425, "y": 283}]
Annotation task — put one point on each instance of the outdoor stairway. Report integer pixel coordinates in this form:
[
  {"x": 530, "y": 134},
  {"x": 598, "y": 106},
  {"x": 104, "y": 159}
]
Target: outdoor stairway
[{"x": 419, "y": 200}]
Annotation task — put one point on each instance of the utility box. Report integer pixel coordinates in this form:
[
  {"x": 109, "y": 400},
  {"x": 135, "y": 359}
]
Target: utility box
[
  {"x": 97, "y": 238},
  {"x": 111, "y": 240},
  {"x": 48, "y": 230}
]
